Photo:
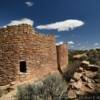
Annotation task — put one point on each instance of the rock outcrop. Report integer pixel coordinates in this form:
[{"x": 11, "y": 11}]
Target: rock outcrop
[{"x": 83, "y": 81}]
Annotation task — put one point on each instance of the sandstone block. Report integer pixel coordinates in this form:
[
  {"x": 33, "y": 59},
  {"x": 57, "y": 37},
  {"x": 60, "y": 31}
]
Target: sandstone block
[
  {"x": 72, "y": 94},
  {"x": 77, "y": 75}
]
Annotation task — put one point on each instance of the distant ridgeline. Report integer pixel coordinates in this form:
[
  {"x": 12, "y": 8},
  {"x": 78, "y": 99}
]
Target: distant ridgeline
[{"x": 26, "y": 55}]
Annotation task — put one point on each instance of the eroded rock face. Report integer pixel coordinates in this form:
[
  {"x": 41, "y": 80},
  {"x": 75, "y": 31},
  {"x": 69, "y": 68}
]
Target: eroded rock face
[{"x": 83, "y": 81}]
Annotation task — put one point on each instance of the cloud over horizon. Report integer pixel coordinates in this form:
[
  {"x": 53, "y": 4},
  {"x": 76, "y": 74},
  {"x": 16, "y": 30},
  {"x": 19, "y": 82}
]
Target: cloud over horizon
[
  {"x": 62, "y": 25},
  {"x": 21, "y": 21}
]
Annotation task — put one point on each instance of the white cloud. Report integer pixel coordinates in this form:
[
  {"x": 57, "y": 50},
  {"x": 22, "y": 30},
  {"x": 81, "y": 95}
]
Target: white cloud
[
  {"x": 21, "y": 21},
  {"x": 29, "y": 4},
  {"x": 62, "y": 25},
  {"x": 96, "y": 44},
  {"x": 59, "y": 43},
  {"x": 70, "y": 42}
]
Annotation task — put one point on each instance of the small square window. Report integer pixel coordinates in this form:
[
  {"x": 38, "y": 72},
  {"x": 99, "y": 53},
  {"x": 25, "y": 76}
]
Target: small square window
[{"x": 23, "y": 68}]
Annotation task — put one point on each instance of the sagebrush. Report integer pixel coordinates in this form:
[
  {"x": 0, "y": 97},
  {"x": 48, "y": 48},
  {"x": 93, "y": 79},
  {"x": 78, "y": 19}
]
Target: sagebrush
[{"x": 52, "y": 88}]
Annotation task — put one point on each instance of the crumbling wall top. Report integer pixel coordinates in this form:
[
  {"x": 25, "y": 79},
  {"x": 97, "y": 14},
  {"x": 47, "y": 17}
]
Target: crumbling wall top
[{"x": 23, "y": 28}]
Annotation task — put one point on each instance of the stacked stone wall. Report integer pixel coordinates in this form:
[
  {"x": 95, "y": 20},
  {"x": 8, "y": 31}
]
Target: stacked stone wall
[
  {"x": 62, "y": 56},
  {"x": 20, "y": 43},
  {"x": 38, "y": 51}
]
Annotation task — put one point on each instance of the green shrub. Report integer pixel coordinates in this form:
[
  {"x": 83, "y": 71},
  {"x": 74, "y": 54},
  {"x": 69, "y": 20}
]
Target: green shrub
[
  {"x": 52, "y": 88},
  {"x": 55, "y": 87}
]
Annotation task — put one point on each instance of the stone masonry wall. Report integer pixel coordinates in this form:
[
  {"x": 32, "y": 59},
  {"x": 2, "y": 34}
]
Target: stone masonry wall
[
  {"x": 20, "y": 43},
  {"x": 62, "y": 56}
]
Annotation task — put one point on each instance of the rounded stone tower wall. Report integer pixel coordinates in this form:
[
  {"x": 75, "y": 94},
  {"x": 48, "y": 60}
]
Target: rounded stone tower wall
[{"x": 62, "y": 56}]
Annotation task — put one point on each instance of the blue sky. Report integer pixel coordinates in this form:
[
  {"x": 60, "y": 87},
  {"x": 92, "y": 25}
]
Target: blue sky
[{"x": 44, "y": 12}]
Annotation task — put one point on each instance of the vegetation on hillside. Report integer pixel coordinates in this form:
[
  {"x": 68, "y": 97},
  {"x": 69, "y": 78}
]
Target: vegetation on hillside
[{"x": 93, "y": 55}]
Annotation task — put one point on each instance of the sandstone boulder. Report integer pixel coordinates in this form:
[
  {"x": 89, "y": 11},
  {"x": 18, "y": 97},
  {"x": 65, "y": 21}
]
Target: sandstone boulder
[
  {"x": 80, "y": 69},
  {"x": 77, "y": 84},
  {"x": 77, "y": 75},
  {"x": 90, "y": 85},
  {"x": 72, "y": 80},
  {"x": 79, "y": 56},
  {"x": 85, "y": 62},
  {"x": 93, "y": 68},
  {"x": 71, "y": 94},
  {"x": 79, "y": 92},
  {"x": 84, "y": 89},
  {"x": 86, "y": 79},
  {"x": 90, "y": 74}
]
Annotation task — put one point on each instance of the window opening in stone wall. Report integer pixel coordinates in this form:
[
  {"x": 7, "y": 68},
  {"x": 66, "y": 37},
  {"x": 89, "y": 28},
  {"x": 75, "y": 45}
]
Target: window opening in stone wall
[{"x": 23, "y": 68}]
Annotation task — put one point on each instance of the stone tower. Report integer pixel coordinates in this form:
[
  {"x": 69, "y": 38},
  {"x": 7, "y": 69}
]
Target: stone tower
[{"x": 62, "y": 56}]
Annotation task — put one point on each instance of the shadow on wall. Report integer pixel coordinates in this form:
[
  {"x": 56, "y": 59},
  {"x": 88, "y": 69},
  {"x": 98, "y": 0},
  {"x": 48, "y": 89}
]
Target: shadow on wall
[
  {"x": 62, "y": 57},
  {"x": 68, "y": 74}
]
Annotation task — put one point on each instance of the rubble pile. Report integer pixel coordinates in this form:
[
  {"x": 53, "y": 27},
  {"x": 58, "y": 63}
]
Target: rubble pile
[{"x": 83, "y": 80}]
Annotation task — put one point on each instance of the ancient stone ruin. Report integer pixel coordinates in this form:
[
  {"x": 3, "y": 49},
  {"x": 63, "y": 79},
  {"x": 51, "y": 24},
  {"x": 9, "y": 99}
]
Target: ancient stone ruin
[{"x": 26, "y": 54}]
